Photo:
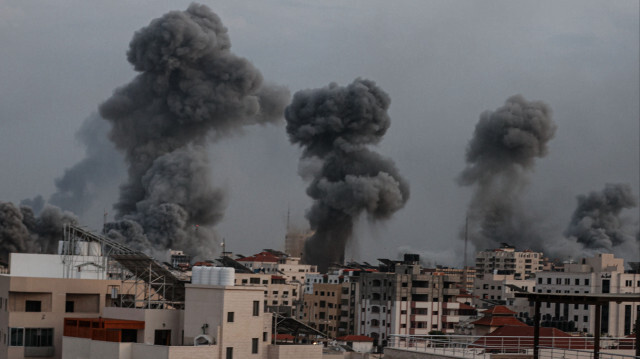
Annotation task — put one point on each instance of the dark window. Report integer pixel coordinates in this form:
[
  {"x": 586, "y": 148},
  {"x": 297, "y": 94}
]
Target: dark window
[
  {"x": 38, "y": 337},
  {"x": 16, "y": 338},
  {"x": 68, "y": 306},
  {"x": 254, "y": 345},
  {"x": 605, "y": 286},
  {"x": 264, "y": 336},
  {"x": 256, "y": 308},
  {"x": 229, "y": 352},
  {"x": 33, "y": 306},
  {"x": 229, "y": 318}
]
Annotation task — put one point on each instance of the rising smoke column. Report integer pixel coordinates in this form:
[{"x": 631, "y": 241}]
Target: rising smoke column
[
  {"x": 23, "y": 232},
  {"x": 77, "y": 188},
  {"x": 499, "y": 157},
  {"x": 596, "y": 222},
  {"x": 334, "y": 125},
  {"x": 191, "y": 88}
]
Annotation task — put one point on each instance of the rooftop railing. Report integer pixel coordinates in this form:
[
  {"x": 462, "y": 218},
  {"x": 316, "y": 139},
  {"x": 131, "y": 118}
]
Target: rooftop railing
[{"x": 461, "y": 346}]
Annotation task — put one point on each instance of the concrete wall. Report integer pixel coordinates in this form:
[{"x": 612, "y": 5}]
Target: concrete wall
[
  {"x": 81, "y": 348},
  {"x": 294, "y": 351}
]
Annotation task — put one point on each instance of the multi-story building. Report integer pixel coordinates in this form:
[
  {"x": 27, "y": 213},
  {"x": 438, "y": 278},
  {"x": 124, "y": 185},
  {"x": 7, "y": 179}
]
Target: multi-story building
[
  {"x": 600, "y": 274},
  {"x": 322, "y": 308},
  {"x": 274, "y": 262},
  {"x": 406, "y": 300},
  {"x": 506, "y": 260},
  {"x": 500, "y": 289},
  {"x": 467, "y": 275},
  {"x": 294, "y": 242},
  {"x": 36, "y": 297},
  {"x": 280, "y": 296}
]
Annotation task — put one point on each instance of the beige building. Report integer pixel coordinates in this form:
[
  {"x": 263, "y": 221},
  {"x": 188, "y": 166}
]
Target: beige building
[
  {"x": 280, "y": 295},
  {"x": 33, "y": 310},
  {"x": 322, "y": 308},
  {"x": 507, "y": 260}
]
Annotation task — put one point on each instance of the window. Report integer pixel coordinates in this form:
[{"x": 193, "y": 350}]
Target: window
[
  {"x": 577, "y": 282},
  {"x": 38, "y": 337},
  {"x": 33, "y": 306},
  {"x": 254, "y": 346},
  {"x": 586, "y": 282},
  {"x": 585, "y": 318},
  {"x": 264, "y": 336},
  {"x": 68, "y": 306},
  {"x": 230, "y": 318},
  {"x": 15, "y": 339},
  {"x": 256, "y": 308},
  {"x": 229, "y": 352}
]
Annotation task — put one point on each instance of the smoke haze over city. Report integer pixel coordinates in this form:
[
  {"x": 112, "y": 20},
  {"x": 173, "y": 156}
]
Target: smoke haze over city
[{"x": 450, "y": 70}]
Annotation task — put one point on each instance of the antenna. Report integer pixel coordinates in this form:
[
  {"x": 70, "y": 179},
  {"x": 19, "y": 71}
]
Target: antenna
[
  {"x": 466, "y": 240},
  {"x": 104, "y": 222}
]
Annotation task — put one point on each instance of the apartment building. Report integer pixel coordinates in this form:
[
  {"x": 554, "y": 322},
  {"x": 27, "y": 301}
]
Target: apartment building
[
  {"x": 506, "y": 260},
  {"x": 600, "y": 274},
  {"x": 406, "y": 300},
  {"x": 500, "y": 289},
  {"x": 279, "y": 295},
  {"x": 35, "y": 298}
]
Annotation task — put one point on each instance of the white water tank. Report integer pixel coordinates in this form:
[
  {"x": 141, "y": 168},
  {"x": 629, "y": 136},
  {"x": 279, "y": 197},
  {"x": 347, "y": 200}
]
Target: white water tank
[
  {"x": 206, "y": 275},
  {"x": 215, "y": 276},
  {"x": 227, "y": 276},
  {"x": 196, "y": 275}
]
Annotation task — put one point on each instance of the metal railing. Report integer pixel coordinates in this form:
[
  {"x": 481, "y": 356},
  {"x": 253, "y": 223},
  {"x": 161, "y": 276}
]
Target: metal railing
[{"x": 462, "y": 346}]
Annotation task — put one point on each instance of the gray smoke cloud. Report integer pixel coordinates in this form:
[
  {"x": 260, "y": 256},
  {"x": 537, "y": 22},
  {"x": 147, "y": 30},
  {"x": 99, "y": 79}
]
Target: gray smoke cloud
[
  {"x": 191, "y": 88},
  {"x": 499, "y": 157},
  {"x": 79, "y": 186},
  {"x": 334, "y": 125},
  {"x": 23, "y": 232},
  {"x": 596, "y": 222}
]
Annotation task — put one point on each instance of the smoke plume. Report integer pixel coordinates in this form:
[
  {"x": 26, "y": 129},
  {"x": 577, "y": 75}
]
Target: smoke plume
[
  {"x": 80, "y": 185},
  {"x": 596, "y": 222},
  {"x": 334, "y": 125},
  {"x": 499, "y": 157},
  {"x": 191, "y": 88},
  {"x": 23, "y": 232}
]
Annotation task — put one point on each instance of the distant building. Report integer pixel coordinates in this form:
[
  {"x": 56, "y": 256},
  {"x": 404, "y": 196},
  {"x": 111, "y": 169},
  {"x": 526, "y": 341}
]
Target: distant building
[
  {"x": 506, "y": 260},
  {"x": 294, "y": 242}
]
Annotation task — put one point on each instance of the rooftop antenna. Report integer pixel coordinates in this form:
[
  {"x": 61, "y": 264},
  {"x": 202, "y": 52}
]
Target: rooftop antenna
[
  {"x": 104, "y": 222},
  {"x": 466, "y": 240}
]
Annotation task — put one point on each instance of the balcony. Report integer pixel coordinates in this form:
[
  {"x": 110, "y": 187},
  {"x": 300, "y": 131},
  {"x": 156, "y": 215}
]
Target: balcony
[
  {"x": 420, "y": 317},
  {"x": 450, "y": 319},
  {"x": 420, "y": 304},
  {"x": 451, "y": 291},
  {"x": 39, "y": 351},
  {"x": 415, "y": 290}
]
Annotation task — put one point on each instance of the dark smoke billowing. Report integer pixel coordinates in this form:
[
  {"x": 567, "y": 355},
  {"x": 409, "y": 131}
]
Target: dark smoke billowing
[
  {"x": 191, "y": 88},
  {"x": 334, "y": 125},
  {"x": 23, "y": 232},
  {"x": 499, "y": 157},
  {"x": 596, "y": 222}
]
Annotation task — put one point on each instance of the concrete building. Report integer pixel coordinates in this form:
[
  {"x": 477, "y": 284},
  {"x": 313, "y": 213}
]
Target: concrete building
[
  {"x": 600, "y": 274},
  {"x": 279, "y": 295},
  {"x": 321, "y": 309},
  {"x": 500, "y": 289},
  {"x": 35, "y": 299},
  {"x": 405, "y": 300},
  {"x": 506, "y": 260},
  {"x": 218, "y": 322},
  {"x": 294, "y": 242}
]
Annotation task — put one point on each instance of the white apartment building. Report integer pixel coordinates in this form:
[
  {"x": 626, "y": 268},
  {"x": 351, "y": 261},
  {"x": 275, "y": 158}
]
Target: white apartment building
[
  {"x": 506, "y": 260},
  {"x": 599, "y": 274}
]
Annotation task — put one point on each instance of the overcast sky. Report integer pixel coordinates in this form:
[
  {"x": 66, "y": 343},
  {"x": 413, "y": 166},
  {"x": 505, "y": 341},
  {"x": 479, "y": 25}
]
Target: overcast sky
[{"x": 442, "y": 62}]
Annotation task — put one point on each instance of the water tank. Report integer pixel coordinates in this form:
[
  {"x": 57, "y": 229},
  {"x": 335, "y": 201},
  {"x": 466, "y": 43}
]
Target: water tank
[
  {"x": 94, "y": 249},
  {"x": 206, "y": 275},
  {"x": 196, "y": 275},
  {"x": 215, "y": 276},
  {"x": 227, "y": 276},
  {"x": 82, "y": 248}
]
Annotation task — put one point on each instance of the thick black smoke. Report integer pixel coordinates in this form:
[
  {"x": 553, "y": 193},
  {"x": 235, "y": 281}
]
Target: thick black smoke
[
  {"x": 596, "y": 222},
  {"x": 23, "y": 232},
  {"x": 334, "y": 125},
  {"x": 502, "y": 151},
  {"x": 191, "y": 88}
]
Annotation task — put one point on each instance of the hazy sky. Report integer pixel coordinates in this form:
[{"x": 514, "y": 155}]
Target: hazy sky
[{"x": 442, "y": 62}]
